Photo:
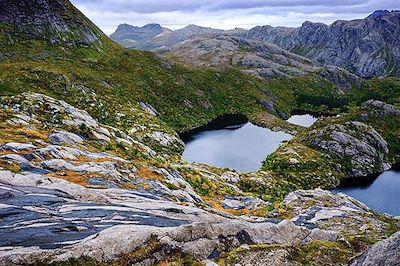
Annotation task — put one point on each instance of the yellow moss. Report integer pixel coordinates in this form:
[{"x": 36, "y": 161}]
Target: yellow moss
[
  {"x": 10, "y": 166},
  {"x": 32, "y": 133},
  {"x": 127, "y": 185},
  {"x": 147, "y": 173},
  {"x": 82, "y": 159},
  {"x": 71, "y": 176}
]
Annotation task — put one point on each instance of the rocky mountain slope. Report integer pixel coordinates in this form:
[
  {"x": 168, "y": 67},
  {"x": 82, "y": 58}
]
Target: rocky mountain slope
[
  {"x": 59, "y": 20},
  {"x": 139, "y": 37},
  {"x": 367, "y": 47},
  {"x": 358, "y": 144},
  {"x": 256, "y": 58},
  {"x": 146, "y": 39},
  {"x": 91, "y": 170},
  {"x": 75, "y": 190}
]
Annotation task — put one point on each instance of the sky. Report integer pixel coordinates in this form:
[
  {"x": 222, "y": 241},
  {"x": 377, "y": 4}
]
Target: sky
[{"x": 226, "y": 14}]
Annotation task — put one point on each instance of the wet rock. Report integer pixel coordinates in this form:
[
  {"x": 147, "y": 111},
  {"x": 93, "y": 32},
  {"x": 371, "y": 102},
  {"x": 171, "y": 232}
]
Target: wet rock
[
  {"x": 147, "y": 107},
  {"x": 165, "y": 139},
  {"x": 15, "y": 158}
]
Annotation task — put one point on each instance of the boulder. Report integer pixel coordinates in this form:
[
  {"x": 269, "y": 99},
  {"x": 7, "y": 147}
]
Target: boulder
[
  {"x": 385, "y": 252},
  {"x": 65, "y": 138}
]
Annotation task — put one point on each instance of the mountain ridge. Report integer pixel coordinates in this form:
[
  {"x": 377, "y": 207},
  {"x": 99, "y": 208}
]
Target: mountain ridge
[
  {"x": 91, "y": 171},
  {"x": 366, "y": 47}
]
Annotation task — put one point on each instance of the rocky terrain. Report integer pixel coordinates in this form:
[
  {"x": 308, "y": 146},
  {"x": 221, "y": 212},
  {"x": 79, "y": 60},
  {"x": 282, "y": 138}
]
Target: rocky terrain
[
  {"x": 357, "y": 144},
  {"x": 366, "y": 47},
  {"x": 63, "y": 198},
  {"x": 60, "y": 20},
  {"x": 90, "y": 158},
  {"x": 256, "y": 58},
  {"x": 155, "y": 37}
]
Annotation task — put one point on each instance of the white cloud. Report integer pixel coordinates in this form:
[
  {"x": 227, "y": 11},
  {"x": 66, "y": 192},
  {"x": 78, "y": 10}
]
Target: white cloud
[{"x": 225, "y": 14}]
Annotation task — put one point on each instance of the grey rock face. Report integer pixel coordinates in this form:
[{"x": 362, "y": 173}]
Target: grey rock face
[
  {"x": 58, "y": 20},
  {"x": 257, "y": 58},
  {"x": 367, "y": 47},
  {"x": 88, "y": 221},
  {"x": 153, "y": 36},
  {"x": 379, "y": 109},
  {"x": 357, "y": 142},
  {"x": 386, "y": 252},
  {"x": 68, "y": 138}
]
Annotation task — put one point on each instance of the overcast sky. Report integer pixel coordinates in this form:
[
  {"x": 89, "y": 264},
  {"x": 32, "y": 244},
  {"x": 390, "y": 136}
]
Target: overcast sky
[{"x": 226, "y": 14}]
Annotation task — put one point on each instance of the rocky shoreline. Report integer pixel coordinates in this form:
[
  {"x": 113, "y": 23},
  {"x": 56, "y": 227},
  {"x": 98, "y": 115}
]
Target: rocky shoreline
[{"x": 62, "y": 198}]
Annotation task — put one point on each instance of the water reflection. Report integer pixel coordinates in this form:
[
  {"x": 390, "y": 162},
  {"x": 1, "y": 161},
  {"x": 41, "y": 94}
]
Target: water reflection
[
  {"x": 305, "y": 120},
  {"x": 236, "y": 145},
  {"x": 379, "y": 193}
]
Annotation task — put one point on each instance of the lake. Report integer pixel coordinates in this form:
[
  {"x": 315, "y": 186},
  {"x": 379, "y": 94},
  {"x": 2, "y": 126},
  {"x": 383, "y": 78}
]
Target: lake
[
  {"x": 305, "y": 120},
  {"x": 379, "y": 193},
  {"x": 233, "y": 142}
]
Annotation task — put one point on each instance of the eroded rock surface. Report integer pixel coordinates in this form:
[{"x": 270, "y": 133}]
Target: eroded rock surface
[{"x": 73, "y": 188}]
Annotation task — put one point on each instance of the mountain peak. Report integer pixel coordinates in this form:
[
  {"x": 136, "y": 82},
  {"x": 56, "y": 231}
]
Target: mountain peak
[
  {"x": 153, "y": 26},
  {"x": 381, "y": 13}
]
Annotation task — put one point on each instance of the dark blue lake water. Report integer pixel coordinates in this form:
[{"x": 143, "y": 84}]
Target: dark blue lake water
[
  {"x": 380, "y": 193},
  {"x": 235, "y": 144}
]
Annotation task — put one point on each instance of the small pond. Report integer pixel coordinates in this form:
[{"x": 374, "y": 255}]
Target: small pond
[
  {"x": 231, "y": 141},
  {"x": 379, "y": 193},
  {"x": 305, "y": 120}
]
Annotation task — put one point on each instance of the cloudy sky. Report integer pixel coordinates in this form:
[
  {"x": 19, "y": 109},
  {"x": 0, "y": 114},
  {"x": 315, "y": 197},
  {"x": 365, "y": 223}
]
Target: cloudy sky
[{"x": 225, "y": 14}]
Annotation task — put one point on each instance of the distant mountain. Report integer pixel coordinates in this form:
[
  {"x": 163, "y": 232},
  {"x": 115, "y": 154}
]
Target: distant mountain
[
  {"x": 257, "y": 58},
  {"x": 368, "y": 47},
  {"x": 138, "y": 37},
  {"x": 151, "y": 37}
]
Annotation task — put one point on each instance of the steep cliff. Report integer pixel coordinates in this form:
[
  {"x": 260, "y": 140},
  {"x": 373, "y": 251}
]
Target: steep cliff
[{"x": 367, "y": 47}]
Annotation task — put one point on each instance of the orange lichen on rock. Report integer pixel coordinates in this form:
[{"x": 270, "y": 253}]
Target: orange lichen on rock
[
  {"x": 71, "y": 176},
  {"x": 147, "y": 173}
]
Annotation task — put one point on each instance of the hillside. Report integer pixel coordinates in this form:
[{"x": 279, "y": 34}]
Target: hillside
[
  {"x": 91, "y": 171},
  {"x": 103, "y": 77},
  {"x": 256, "y": 58},
  {"x": 366, "y": 47}
]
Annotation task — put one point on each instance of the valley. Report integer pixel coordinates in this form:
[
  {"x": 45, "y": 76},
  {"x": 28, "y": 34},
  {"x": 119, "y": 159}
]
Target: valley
[{"x": 198, "y": 147}]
